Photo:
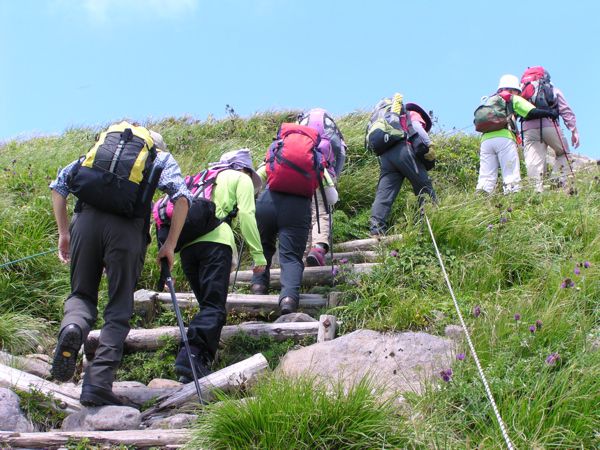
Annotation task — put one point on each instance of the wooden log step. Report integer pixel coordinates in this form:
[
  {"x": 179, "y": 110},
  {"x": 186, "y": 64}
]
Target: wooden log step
[
  {"x": 14, "y": 378},
  {"x": 135, "y": 438},
  {"x": 313, "y": 276},
  {"x": 364, "y": 244},
  {"x": 353, "y": 256},
  {"x": 150, "y": 340},
  {"x": 238, "y": 375},
  {"x": 246, "y": 303}
]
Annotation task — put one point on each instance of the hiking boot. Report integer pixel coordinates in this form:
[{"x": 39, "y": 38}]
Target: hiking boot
[
  {"x": 288, "y": 305},
  {"x": 316, "y": 257},
  {"x": 183, "y": 368},
  {"x": 65, "y": 355},
  {"x": 259, "y": 289},
  {"x": 97, "y": 396}
]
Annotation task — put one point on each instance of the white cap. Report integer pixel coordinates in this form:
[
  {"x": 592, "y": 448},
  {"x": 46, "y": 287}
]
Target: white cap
[
  {"x": 159, "y": 142},
  {"x": 509, "y": 82}
]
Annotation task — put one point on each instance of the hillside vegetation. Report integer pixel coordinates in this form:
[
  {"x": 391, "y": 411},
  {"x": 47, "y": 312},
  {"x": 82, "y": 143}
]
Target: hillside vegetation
[{"x": 525, "y": 269}]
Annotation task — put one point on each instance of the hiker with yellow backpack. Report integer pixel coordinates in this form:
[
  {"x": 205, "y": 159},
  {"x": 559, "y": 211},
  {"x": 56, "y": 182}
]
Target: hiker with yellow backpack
[
  {"x": 114, "y": 183},
  {"x": 221, "y": 193},
  {"x": 397, "y": 134},
  {"x": 495, "y": 118}
]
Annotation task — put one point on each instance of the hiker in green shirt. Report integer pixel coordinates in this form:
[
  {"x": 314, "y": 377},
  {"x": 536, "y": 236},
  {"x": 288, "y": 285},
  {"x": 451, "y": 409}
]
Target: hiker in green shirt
[{"x": 207, "y": 260}]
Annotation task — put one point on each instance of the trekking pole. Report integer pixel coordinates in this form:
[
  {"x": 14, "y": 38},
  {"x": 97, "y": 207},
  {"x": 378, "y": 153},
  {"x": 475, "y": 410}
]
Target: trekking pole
[
  {"x": 331, "y": 241},
  {"x": 565, "y": 150},
  {"x": 165, "y": 274},
  {"x": 239, "y": 262}
]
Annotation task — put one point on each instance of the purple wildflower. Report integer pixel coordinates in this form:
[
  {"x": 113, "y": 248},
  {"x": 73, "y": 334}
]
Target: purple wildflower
[
  {"x": 460, "y": 356},
  {"x": 503, "y": 220},
  {"x": 394, "y": 253},
  {"x": 576, "y": 271},
  {"x": 538, "y": 324},
  {"x": 567, "y": 283},
  {"x": 517, "y": 317},
  {"x": 587, "y": 264},
  {"x": 509, "y": 209},
  {"x": 532, "y": 328},
  {"x": 477, "y": 311},
  {"x": 344, "y": 261},
  {"x": 552, "y": 359},
  {"x": 446, "y": 375},
  {"x": 334, "y": 271},
  {"x": 490, "y": 227}
]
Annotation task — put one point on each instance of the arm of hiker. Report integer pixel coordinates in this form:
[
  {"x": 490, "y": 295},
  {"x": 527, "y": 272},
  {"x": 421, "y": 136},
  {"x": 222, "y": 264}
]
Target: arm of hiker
[
  {"x": 168, "y": 248},
  {"x": 247, "y": 219},
  {"x": 568, "y": 116},
  {"x": 421, "y": 132},
  {"x": 575, "y": 138},
  {"x": 538, "y": 113},
  {"x": 59, "y": 205}
]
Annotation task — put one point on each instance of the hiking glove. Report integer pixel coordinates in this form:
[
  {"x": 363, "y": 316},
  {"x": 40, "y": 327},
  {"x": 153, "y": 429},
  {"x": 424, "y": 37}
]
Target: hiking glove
[
  {"x": 331, "y": 194},
  {"x": 430, "y": 155}
]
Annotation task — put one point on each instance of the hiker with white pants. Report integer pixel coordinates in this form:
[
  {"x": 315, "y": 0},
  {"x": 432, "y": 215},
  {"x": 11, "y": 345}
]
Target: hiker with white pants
[{"x": 495, "y": 118}]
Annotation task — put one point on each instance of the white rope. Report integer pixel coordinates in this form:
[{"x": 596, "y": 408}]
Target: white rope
[{"x": 509, "y": 444}]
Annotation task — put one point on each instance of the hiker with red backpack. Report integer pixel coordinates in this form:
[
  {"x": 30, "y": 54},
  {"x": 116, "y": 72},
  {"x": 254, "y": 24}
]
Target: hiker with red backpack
[
  {"x": 397, "y": 134},
  {"x": 495, "y": 118},
  {"x": 541, "y": 133},
  {"x": 333, "y": 148},
  {"x": 114, "y": 183},
  {"x": 224, "y": 191},
  {"x": 294, "y": 170}
]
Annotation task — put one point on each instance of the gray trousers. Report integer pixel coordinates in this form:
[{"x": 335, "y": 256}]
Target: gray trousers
[
  {"x": 395, "y": 165},
  {"x": 101, "y": 240}
]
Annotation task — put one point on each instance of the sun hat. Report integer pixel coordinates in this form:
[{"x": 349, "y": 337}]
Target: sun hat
[{"x": 237, "y": 160}]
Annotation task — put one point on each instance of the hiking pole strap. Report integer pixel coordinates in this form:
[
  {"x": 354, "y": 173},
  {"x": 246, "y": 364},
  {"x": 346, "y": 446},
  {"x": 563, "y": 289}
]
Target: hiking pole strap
[{"x": 164, "y": 271}]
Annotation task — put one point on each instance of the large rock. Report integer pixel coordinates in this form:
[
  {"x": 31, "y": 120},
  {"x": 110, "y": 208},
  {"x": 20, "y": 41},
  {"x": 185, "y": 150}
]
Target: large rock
[
  {"x": 397, "y": 362},
  {"x": 103, "y": 418},
  {"x": 295, "y": 317},
  {"x": 174, "y": 422},
  {"x": 11, "y": 416}
]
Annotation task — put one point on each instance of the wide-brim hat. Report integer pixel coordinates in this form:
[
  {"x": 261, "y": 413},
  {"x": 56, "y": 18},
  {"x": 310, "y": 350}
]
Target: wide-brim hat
[
  {"x": 159, "y": 142},
  {"x": 416, "y": 108},
  {"x": 240, "y": 159}
]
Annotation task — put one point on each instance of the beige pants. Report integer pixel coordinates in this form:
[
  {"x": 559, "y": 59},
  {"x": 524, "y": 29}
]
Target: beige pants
[
  {"x": 323, "y": 236},
  {"x": 536, "y": 150}
]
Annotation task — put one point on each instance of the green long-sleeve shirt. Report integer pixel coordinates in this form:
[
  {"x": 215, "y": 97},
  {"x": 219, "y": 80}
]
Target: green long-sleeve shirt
[{"x": 235, "y": 188}]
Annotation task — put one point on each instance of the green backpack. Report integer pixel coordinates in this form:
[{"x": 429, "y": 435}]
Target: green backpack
[
  {"x": 384, "y": 129},
  {"x": 495, "y": 113}
]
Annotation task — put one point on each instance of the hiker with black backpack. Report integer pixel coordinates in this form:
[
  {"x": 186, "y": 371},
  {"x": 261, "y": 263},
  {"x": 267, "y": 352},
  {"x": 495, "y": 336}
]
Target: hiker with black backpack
[
  {"x": 397, "y": 134},
  {"x": 333, "y": 148},
  {"x": 114, "y": 183},
  {"x": 294, "y": 170},
  {"x": 495, "y": 118},
  {"x": 226, "y": 190},
  {"x": 541, "y": 133}
]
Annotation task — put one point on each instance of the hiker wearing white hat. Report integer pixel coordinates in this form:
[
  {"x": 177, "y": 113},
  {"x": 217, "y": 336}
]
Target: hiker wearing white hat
[
  {"x": 496, "y": 119},
  {"x": 206, "y": 261}
]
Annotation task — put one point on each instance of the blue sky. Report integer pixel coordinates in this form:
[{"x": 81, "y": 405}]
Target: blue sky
[{"x": 88, "y": 62}]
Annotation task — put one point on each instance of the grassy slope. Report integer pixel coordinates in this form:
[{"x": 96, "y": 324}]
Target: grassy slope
[{"x": 517, "y": 266}]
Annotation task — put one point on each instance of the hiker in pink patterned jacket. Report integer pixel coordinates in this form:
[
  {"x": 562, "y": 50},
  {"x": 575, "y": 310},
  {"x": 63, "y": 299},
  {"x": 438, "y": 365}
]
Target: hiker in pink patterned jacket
[{"x": 539, "y": 134}]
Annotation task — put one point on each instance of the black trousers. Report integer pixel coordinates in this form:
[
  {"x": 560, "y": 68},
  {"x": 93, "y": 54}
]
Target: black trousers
[
  {"x": 289, "y": 217},
  {"x": 395, "y": 165},
  {"x": 101, "y": 240},
  {"x": 207, "y": 266}
]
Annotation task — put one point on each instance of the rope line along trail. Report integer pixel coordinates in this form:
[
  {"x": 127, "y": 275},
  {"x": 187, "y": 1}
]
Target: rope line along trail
[
  {"x": 28, "y": 257},
  {"x": 488, "y": 391}
]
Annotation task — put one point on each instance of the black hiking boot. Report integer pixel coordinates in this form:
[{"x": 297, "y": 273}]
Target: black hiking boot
[
  {"x": 259, "y": 289},
  {"x": 65, "y": 355},
  {"x": 288, "y": 305},
  {"x": 97, "y": 396},
  {"x": 183, "y": 368}
]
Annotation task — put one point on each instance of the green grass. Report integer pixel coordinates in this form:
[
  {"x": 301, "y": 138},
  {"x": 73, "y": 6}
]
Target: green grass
[
  {"x": 301, "y": 414},
  {"x": 506, "y": 254}
]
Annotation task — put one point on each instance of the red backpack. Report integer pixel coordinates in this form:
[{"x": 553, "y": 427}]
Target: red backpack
[
  {"x": 537, "y": 88},
  {"x": 294, "y": 163}
]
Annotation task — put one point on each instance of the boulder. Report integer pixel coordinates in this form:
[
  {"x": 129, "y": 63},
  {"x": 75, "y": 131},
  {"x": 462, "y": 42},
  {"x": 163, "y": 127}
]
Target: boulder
[
  {"x": 295, "y": 317},
  {"x": 164, "y": 383},
  {"x": 103, "y": 418},
  {"x": 11, "y": 416},
  {"x": 174, "y": 422},
  {"x": 396, "y": 362}
]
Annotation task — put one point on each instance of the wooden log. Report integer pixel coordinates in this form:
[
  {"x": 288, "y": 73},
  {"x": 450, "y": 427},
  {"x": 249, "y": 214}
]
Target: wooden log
[
  {"x": 14, "y": 378},
  {"x": 327, "y": 328},
  {"x": 247, "y": 303},
  {"x": 150, "y": 340},
  {"x": 134, "y": 391},
  {"x": 334, "y": 298},
  {"x": 135, "y": 438},
  {"x": 237, "y": 375},
  {"x": 364, "y": 244},
  {"x": 353, "y": 256},
  {"x": 29, "y": 364},
  {"x": 313, "y": 276}
]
